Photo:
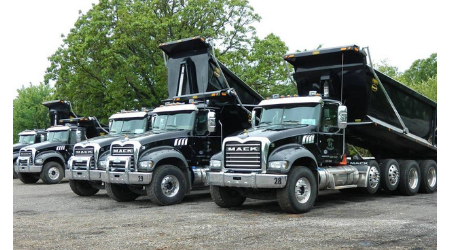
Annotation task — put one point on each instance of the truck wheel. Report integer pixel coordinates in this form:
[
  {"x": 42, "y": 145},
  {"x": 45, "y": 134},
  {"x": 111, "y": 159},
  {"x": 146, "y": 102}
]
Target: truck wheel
[
  {"x": 428, "y": 171},
  {"x": 300, "y": 192},
  {"x": 409, "y": 178},
  {"x": 119, "y": 192},
  {"x": 52, "y": 173},
  {"x": 373, "y": 182},
  {"x": 82, "y": 188},
  {"x": 226, "y": 197},
  {"x": 28, "y": 178},
  {"x": 168, "y": 186},
  {"x": 15, "y": 175},
  {"x": 390, "y": 174}
]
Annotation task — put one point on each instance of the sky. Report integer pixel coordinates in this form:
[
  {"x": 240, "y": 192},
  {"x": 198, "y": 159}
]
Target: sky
[{"x": 397, "y": 31}]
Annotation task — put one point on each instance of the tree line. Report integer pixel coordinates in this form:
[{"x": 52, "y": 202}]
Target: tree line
[{"x": 111, "y": 59}]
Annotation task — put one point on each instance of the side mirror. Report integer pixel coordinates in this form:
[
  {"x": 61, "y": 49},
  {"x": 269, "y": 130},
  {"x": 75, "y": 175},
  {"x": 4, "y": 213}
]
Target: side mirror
[
  {"x": 211, "y": 121},
  {"x": 42, "y": 138},
  {"x": 255, "y": 113},
  {"x": 342, "y": 117}
]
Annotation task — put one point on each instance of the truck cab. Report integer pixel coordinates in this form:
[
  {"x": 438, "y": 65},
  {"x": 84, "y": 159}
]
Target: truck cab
[
  {"x": 27, "y": 137},
  {"x": 84, "y": 171}
]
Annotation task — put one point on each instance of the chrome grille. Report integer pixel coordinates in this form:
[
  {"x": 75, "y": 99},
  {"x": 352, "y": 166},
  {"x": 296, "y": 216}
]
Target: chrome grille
[
  {"x": 243, "y": 155},
  {"x": 125, "y": 150}
]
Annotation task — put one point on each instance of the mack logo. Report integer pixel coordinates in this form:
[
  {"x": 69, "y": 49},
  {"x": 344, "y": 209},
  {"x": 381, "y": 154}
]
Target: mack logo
[
  {"x": 25, "y": 153},
  {"x": 122, "y": 150},
  {"x": 83, "y": 152},
  {"x": 243, "y": 149}
]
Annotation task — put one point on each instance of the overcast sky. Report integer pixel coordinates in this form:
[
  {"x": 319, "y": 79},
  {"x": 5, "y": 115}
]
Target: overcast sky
[{"x": 399, "y": 31}]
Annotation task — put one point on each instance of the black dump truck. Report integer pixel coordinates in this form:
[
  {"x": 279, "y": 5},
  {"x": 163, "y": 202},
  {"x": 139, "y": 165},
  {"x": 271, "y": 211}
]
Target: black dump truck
[
  {"x": 47, "y": 160},
  {"x": 298, "y": 144},
  {"x": 208, "y": 102},
  {"x": 27, "y": 137},
  {"x": 86, "y": 168}
]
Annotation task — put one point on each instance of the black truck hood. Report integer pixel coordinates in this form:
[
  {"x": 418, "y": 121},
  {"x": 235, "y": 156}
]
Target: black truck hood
[
  {"x": 17, "y": 146},
  {"x": 275, "y": 133},
  {"x": 46, "y": 145},
  {"x": 150, "y": 136},
  {"x": 108, "y": 139}
]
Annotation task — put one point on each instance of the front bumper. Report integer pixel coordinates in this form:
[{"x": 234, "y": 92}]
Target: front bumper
[
  {"x": 28, "y": 168},
  {"x": 250, "y": 180},
  {"x": 86, "y": 174},
  {"x": 136, "y": 178}
]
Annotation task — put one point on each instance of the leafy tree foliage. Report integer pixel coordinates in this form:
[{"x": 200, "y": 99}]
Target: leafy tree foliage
[
  {"x": 28, "y": 111},
  {"x": 111, "y": 60}
]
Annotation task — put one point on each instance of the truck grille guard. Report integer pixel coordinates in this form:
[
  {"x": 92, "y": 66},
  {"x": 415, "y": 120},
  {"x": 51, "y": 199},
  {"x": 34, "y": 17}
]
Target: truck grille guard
[
  {"x": 26, "y": 157},
  {"x": 85, "y": 156},
  {"x": 123, "y": 157}
]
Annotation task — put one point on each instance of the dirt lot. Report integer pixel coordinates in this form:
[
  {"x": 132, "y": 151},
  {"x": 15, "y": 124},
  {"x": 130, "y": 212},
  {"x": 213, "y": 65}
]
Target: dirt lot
[{"x": 53, "y": 217}]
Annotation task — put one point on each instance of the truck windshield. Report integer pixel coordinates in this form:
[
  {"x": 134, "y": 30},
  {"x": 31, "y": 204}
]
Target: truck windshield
[
  {"x": 307, "y": 114},
  {"x": 135, "y": 126},
  {"x": 27, "y": 139},
  {"x": 58, "y": 136},
  {"x": 174, "y": 121}
]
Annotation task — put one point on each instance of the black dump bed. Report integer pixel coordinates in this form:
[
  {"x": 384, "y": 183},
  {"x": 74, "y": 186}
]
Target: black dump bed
[
  {"x": 194, "y": 74},
  {"x": 60, "y": 114},
  {"x": 385, "y": 116}
]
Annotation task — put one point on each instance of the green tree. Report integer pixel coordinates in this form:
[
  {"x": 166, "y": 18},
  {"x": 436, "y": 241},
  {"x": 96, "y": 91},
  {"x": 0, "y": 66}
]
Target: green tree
[
  {"x": 421, "y": 70},
  {"x": 28, "y": 111},
  {"x": 111, "y": 60}
]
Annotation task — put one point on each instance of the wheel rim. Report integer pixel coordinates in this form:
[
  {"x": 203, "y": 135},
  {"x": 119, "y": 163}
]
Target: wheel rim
[
  {"x": 374, "y": 177},
  {"x": 431, "y": 177},
  {"x": 393, "y": 174},
  {"x": 302, "y": 190},
  {"x": 413, "y": 178},
  {"x": 53, "y": 173},
  {"x": 170, "y": 185}
]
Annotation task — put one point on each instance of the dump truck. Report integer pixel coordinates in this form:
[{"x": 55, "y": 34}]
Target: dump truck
[
  {"x": 47, "y": 160},
  {"x": 27, "y": 137},
  {"x": 297, "y": 145},
  {"x": 207, "y": 102},
  {"x": 86, "y": 168}
]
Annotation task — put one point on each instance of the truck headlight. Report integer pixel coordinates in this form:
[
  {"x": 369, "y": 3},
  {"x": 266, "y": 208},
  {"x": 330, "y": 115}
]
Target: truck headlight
[
  {"x": 145, "y": 165},
  {"x": 278, "y": 165},
  {"x": 39, "y": 161},
  {"x": 102, "y": 164},
  {"x": 215, "y": 164}
]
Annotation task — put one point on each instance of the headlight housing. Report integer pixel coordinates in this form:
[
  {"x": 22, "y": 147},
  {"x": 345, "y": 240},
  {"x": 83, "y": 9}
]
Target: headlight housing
[
  {"x": 278, "y": 165},
  {"x": 215, "y": 164},
  {"x": 102, "y": 164},
  {"x": 145, "y": 165},
  {"x": 39, "y": 161}
]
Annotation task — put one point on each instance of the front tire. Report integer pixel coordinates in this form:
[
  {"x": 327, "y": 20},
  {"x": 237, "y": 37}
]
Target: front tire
[
  {"x": 226, "y": 197},
  {"x": 120, "y": 192},
  {"x": 300, "y": 192},
  {"x": 52, "y": 173},
  {"x": 15, "y": 175},
  {"x": 168, "y": 186},
  {"x": 390, "y": 174},
  {"x": 28, "y": 178},
  {"x": 82, "y": 188},
  {"x": 428, "y": 171}
]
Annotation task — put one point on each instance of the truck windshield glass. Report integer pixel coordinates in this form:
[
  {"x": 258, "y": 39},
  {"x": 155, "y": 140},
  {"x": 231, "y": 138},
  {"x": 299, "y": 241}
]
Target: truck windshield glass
[
  {"x": 174, "y": 121},
  {"x": 135, "y": 126},
  {"x": 27, "y": 139},
  {"x": 58, "y": 136},
  {"x": 307, "y": 114}
]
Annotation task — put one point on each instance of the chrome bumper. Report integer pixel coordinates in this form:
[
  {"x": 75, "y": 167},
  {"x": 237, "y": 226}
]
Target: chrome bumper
[
  {"x": 137, "y": 178},
  {"x": 29, "y": 168},
  {"x": 85, "y": 174},
  {"x": 251, "y": 180}
]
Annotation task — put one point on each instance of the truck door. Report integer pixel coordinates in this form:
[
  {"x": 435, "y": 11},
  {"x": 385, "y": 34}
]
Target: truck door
[
  {"x": 206, "y": 143},
  {"x": 331, "y": 138}
]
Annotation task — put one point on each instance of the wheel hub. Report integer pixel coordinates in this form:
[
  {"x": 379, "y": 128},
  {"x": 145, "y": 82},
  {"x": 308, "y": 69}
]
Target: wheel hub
[
  {"x": 393, "y": 174},
  {"x": 374, "y": 177},
  {"x": 53, "y": 173},
  {"x": 170, "y": 185},
  {"x": 302, "y": 190}
]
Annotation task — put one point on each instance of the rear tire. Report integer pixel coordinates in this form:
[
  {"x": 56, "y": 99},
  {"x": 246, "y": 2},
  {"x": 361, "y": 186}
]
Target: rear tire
[
  {"x": 120, "y": 192},
  {"x": 226, "y": 197},
  {"x": 168, "y": 186},
  {"x": 373, "y": 183},
  {"x": 409, "y": 178},
  {"x": 82, "y": 188},
  {"x": 390, "y": 174},
  {"x": 300, "y": 192},
  {"x": 52, "y": 173},
  {"x": 28, "y": 178},
  {"x": 428, "y": 172}
]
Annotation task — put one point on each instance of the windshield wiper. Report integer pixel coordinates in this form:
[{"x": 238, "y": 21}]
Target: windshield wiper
[{"x": 292, "y": 121}]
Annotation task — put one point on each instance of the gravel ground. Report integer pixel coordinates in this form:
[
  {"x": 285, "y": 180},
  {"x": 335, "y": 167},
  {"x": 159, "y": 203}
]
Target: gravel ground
[{"x": 53, "y": 217}]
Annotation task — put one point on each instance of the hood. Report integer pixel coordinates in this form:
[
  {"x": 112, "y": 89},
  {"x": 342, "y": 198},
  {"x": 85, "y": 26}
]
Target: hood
[
  {"x": 277, "y": 132},
  {"x": 151, "y": 136},
  {"x": 46, "y": 144},
  {"x": 18, "y": 146}
]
